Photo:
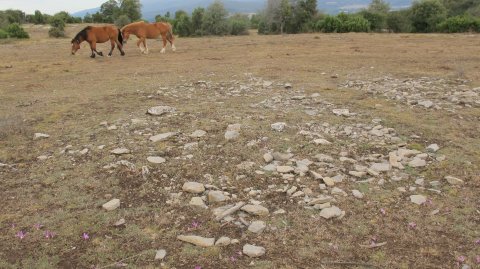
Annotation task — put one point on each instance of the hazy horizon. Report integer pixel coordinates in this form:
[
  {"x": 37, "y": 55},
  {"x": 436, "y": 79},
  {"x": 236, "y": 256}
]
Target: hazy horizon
[{"x": 49, "y": 6}]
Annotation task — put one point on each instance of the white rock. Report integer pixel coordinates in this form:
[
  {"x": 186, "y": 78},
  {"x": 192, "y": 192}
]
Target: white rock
[
  {"x": 321, "y": 141},
  {"x": 231, "y": 135},
  {"x": 197, "y": 240},
  {"x": 285, "y": 169},
  {"x": 329, "y": 181},
  {"x": 161, "y": 137},
  {"x": 197, "y": 201},
  {"x": 454, "y": 180},
  {"x": 112, "y": 205},
  {"x": 426, "y": 104},
  {"x": 198, "y": 134},
  {"x": 120, "y": 151},
  {"x": 279, "y": 126},
  {"x": 216, "y": 196},
  {"x": 161, "y": 253},
  {"x": 380, "y": 167},
  {"x": 417, "y": 162},
  {"x": 433, "y": 148},
  {"x": 223, "y": 241},
  {"x": 257, "y": 210},
  {"x": 42, "y": 157},
  {"x": 331, "y": 212},
  {"x": 234, "y": 127},
  {"x": 277, "y": 156},
  {"x": 418, "y": 199},
  {"x": 193, "y": 187},
  {"x": 322, "y": 206},
  {"x": 357, "y": 194},
  {"x": 156, "y": 160},
  {"x": 268, "y": 157},
  {"x": 253, "y": 251},
  {"x": 257, "y": 226},
  {"x": 160, "y": 110},
  {"x": 279, "y": 212},
  {"x": 324, "y": 158},
  {"x": 40, "y": 136}
]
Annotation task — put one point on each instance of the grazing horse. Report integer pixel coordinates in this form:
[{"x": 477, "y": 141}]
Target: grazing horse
[
  {"x": 94, "y": 35},
  {"x": 145, "y": 31}
]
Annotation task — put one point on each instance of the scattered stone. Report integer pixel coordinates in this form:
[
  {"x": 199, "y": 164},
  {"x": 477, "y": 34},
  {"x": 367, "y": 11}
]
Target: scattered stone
[
  {"x": 119, "y": 222},
  {"x": 322, "y": 206},
  {"x": 277, "y": 156},
  {"x": 417, "y": 162},
  {"x": 426, "y": 104},
  {"x": 37, "y": 136},
  {"x": 197, "y": 201},
  {"x": 285, "y": 169},
  {"x": 193, "y": 187},
  {"x": 198, "y": 134},
  {"x": 321, "y": 141},
  {"x": 380, "y": 167},
  {"x": 253, "y": 251},
  {"x": 231, "y": 135},
  {"x": 433, "y": 148},
  {"x": 279, "y": 126},
  {"x": 161, "y": 137},
  {"x": 228, "y": 210},
  {"x": 454, "y": 180},
  {"x": 216, "y": 196},
  {"x": 288, "y": 86},
  {"x": 223, "y": 241},
  {"x": 331, "y": 212},
  {"x": 111, "y": 128},
  {"x": 279, "y": 212},
  {"x": 160, "y": 110},
  {"x": 197, "y": 240},
  {"x": 341, "y": 112},
  {"x": 324, "y": 158},
  {"x": 42, "y": 157},
  {"x": 329, "y": 181},
  {"x": 257, "y": 210},
  {"x": 418, "y": 199},
  {"x": 357, "y": 194},
  {"x": 257, "y": 227},
  {"x": 156, "y": 160},
  {"x": 120, "y": 151},
  {"x": 112, "y": 205},
  {"x": 161, "y": 253},
  {"x": 268, "y": 157}
]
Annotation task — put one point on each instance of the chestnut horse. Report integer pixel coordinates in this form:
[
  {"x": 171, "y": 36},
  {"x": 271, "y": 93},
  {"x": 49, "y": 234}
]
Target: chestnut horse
[
  {"x": 101, "y": 34},
  {"x": 145, "y": 31}
]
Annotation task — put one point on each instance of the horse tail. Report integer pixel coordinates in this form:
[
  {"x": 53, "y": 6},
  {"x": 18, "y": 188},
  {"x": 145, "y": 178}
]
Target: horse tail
[
  {"x": 170, "y": 31},
  {"x": 120, "y": 36}
]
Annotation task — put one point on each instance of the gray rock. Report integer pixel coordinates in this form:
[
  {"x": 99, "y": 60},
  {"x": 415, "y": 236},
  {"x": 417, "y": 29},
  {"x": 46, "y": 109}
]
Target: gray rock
[
  {"x": 156, "y": 160},
  {"x": 257, "y": 227},
  {"x": 197, "y": 240},
  {"x": 198, "y": 134},
  {"x": 160, "y": 110},
  {"x": 277, "y": 156},
  {"x": 257, "y": 210},
  {"x": 285, "y": 169},
  {"x": 433, "y": 148},
  {"x": 268, "y": 157},
  {"x": 331, "y": 212},
  {"x": 231, "y": 135},
  {"x": 417, "y": 162},
  {"x": 426, "y": 103},
  {"x": 197, "y": 201},
  {"x": 279, "y": 126},
  {"x": 112, "y": 205},
  {"x": 357, "y": 194},
  {"x": 120, "y": 151},
  {"x": 161, "y": 253},
  {"x": 380, "y": 167},
  {"x": 454, "y": 180},
  {"x": 418, "y": 199},
  {"x": 321, "y": 141},
  {"x": 341, "y": 112},
  {"x": 161, "y": 137},
  {"x": 216, "y": 196},
  {"x": 253, "y": 251},
  {"x": 324, "y": 158},
  {"x": 329, "y": 181},
  {"x": 193, "y": 187},
  {"x": 37, "y": 136},
  {"x": 223, "y": 241}
]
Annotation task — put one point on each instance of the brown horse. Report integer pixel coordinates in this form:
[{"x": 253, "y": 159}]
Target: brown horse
[
  {"x": 149, "y": 31},
  {"x": 94, "y": 35}
]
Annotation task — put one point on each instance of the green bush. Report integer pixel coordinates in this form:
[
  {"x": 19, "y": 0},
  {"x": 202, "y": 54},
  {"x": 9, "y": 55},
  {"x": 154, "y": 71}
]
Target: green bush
[
  {"x": 357, "y": 24},
  {"x": 459, "y": 24},
  {"x": 239, "y": 25},
  {"x": 3, "y": 34},
  {"x": 398, "y": 22},
  {"x": 122, "y": 20},
  {"x": 56, "y": 32},
  {"x": 330, "y": 24},
  {"x": 426, "y": 15},
  {"x": 15, "y": 30},
  {"x": 378, "y": 21}
]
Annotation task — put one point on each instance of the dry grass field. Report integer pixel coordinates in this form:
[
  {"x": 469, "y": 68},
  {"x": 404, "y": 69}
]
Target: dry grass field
[{"x": 348, "y": 208}]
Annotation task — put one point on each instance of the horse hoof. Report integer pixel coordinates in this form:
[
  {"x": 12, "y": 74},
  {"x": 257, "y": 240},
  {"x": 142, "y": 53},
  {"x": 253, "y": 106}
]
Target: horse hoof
[
  {"x": 92, "y": 56},
  {"x": 100, "y": 53},
  {"x": 122, "y": 53}
]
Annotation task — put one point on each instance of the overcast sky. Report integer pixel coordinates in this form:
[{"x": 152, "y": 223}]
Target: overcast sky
[{"x": 49, "y": 6}]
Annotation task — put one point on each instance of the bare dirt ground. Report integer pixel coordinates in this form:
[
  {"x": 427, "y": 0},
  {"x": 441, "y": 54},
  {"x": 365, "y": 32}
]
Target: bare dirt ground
[{"x": 370, "y": 103}]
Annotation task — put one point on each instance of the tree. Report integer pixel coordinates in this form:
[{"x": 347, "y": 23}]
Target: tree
[
  {"x": 379, "y": 6},
  {"x": 110, "y": 11},
  {"x": 57, "y": 23},
  {"x": 38, "y": 17},
  {"x": 97, "y": 17},
  {"x": 426, "y": 15},
  {"x": 283, "y": 14},
  {"x": 303, "y": 13},
  {"x": 88, "y": 18},
  {"x": 197, "y": 20},
  {"x": 215, "y": 19},
  {"x": 122, "y": 20},
  {"x": 461, "y": 7},
  {"x": 399, "y": 22},
  {"x": 182, "y": 24},
  {"x": 239, "y": 24},
  {"x": 131, "y": 8}
]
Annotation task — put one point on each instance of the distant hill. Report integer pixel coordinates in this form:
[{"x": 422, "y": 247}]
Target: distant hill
[{"x": 151, "y": 8}]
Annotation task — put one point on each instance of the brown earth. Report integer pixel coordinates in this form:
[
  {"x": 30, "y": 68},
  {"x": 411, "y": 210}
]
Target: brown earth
[{"x": 45, "y": 89}]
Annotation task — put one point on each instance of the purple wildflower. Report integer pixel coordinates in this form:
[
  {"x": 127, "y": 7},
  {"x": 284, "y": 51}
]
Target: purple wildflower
[
  {"x": 49, "y": 234},
  {"x": 383, "y": 211},
  {"x": 233, "y": 258},
  {"x": 461, "y": 259},
  {"x": 477, "y": 259},
  {"x": 14, "y": 225},
  {"x": 37, "y": 226},
  {"x": 412, "y": 225},
  {"x": 198, "y": 267},
  {"x": 21, "y": 235},
  {"x": 477, "y": 241},
  {"x": 85, "y": 236}
]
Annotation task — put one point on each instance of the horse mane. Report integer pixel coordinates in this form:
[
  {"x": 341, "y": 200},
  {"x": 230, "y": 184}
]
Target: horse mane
[{"x": 83, "y": 34}]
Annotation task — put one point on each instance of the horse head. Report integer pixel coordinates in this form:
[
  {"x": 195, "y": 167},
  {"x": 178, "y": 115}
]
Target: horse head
[
  {"x": 125, "y": 36},
  {"x": 75, "y": 46}
]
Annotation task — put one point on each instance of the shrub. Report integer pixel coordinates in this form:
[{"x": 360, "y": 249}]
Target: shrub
[
  {"x": 122, "y": 21},
  {"x": 15, "y": 30},
  {"x": 56, "y": 32},
  {"x": 330, "y": 24},
  {"x": 58, "y": 27},
  {"x": 239, "y": 25},
  {"x": 357, "y": 24},
  {"x": 459, "y": 24},
  {"x": 426, "y": 15},
  {"x": 3, "y": 34},
  {"x": 398, "y": 22},
  {"x": 377, "y": 20}
]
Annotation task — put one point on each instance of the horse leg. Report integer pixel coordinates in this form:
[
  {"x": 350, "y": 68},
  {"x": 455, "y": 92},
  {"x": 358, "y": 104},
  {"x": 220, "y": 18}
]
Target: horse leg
[
  {"x": 94, "y": 48},
  {"x": 145, "y": 45},
  {"x": 164, "y": 39},
  {"x": 112, "y": 42},
  {"x": 91, "y": 48},
  {"x": 120, "y": 48},
  {"x": 139, "y": 42},
  {"x": 170, "y": 39}
]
